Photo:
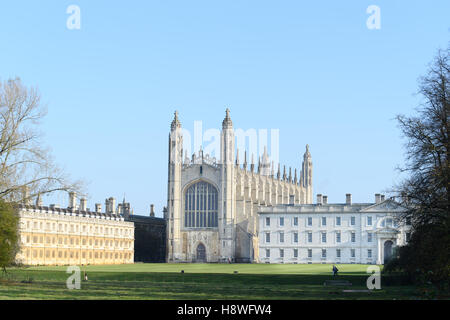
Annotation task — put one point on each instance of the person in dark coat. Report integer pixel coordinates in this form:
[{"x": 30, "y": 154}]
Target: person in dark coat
[{"x": 335, "y": 271}]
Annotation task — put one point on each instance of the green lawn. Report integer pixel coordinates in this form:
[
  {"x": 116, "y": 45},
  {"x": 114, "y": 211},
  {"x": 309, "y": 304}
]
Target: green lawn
[{"x": 199, "y": 281}]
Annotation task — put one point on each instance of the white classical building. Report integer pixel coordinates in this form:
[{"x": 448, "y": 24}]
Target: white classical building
[
  {"x": 212, "y": 205},
  {"x": 348, "y": 232}
]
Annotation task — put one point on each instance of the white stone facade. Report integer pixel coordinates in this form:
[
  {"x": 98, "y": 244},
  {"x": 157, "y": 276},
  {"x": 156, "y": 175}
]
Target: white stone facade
[
  {"x": 223, "y": 226},
  {"x": 331, "y": 233}
]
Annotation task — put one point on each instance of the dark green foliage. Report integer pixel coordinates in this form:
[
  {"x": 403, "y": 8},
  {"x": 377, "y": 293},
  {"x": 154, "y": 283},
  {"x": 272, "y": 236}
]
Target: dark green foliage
[
  {"x": 426, "y": 259},
  {"x": 9, "y": 234}
]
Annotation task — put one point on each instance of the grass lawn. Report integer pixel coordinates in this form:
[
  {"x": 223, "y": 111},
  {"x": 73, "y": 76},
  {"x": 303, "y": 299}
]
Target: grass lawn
[{"x": 199, "y": 281}]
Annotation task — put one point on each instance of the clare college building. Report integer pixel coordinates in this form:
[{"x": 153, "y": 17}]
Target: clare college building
[{"x": 50, "y": 235}]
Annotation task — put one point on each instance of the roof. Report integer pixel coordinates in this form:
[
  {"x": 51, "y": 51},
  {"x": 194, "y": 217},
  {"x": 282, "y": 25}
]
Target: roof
[
  {"x": 145, "y": 219},
  {"x": 83, "y": 213}
]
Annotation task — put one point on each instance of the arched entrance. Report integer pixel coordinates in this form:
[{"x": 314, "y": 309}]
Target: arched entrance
[
  {"x": 201, "y": 253},
  {"x": 388, "y": 251}
]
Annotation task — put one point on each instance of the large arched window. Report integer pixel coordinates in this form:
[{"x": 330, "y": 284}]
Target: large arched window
[{"x": 200, "y": 206}]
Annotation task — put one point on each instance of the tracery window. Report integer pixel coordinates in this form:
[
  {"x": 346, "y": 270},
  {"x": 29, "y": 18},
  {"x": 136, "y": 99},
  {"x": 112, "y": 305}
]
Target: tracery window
[{"x": 201, "y": 206}]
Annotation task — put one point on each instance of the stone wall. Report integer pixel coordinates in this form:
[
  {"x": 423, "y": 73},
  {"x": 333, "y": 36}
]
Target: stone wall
[{"x": 149, "y": 238}]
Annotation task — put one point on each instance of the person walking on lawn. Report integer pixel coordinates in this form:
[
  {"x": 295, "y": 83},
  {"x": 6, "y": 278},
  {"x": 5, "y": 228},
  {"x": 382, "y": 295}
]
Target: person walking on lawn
[{"x": 335, "y": 271}]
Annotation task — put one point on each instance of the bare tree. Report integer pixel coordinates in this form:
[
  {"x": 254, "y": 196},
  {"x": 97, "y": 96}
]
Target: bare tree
[
  {"x": 426, "y": 191},
  {"x": 26, "y": 168}
]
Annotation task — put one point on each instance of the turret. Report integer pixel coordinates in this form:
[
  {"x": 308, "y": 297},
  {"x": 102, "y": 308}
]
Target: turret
[
  {"x": 174, "y": 188},
  {"x": 226, "y": 220},
  {"x": 245, "y": 161},
  {"x": 265, "y": 163},
  {"x": 272, "y": 170},
  {"x": 278, "y": 172},
  {"x": 306, "y": 175}
]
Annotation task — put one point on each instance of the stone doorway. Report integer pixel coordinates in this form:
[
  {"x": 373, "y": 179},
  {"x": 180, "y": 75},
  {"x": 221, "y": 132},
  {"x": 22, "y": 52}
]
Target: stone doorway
[
  {"x": 201, "y": 253},
  {"x": 388, "y": 251}
]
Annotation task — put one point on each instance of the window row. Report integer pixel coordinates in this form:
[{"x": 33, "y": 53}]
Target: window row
[
  {"x": 75, "y": 228},
  {"x": 309, "y": 253},
  {"x": 75, "y": 241},
  {"x": 323, "y": 221},
  {"x": 76, "y": 254},
  {"x": 323, "y": 237}
]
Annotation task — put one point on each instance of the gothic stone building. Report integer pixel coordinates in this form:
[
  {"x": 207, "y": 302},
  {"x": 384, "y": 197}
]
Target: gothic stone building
[{"x": 212, "y": 205}]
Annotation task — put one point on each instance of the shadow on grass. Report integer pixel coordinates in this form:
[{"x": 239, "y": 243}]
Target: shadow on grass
[{"x": 141, "y": 285}]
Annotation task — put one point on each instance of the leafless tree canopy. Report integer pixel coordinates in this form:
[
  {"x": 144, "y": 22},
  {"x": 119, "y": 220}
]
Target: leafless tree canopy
[
  {"x": 427, "y": 189},
  {"x": 26, "y": 168}
]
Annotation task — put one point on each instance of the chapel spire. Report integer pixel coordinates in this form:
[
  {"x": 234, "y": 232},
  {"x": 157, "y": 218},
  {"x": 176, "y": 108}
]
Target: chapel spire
[
  {"x": 252, "y": 165},
  {"x": 245, "y": 160},
  {"x": 175, "y": 122},
  {"x": 227, "y": 123},
  {"x": 279, "y": 172},
  {"x": 265, "y": 163}
]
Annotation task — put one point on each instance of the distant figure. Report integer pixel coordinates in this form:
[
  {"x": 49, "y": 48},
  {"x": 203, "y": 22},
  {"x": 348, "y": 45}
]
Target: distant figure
[
  {"x": 229, "y": 260},
  {"x": 335, "y": 271},
  {"x": 85, "y": 276}
]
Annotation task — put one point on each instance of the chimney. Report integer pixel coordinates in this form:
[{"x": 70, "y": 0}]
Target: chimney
[
  {"x": 39, "y": 200},
  {"x": 319, "y": 199},
  {"x": 348, "y": 198},
  {"x": 377, "y": 198},
  {"x": 165, "y": 212},
  {"x": 152, "y": 210},
  {"x": 26, "y": 196},
  {"x": 325, "y": 199},
  {"x": 382, "y": 197},
  {"x": 112, "y": 205},
  {"x": 98, "y": 207},
  {"x": 83, "y": 204},
  {"x": 72, "y": 200}
]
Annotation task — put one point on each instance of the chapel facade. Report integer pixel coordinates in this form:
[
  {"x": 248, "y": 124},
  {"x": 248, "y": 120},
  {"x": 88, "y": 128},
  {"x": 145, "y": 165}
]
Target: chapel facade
[{"x": 212, "y": 206}]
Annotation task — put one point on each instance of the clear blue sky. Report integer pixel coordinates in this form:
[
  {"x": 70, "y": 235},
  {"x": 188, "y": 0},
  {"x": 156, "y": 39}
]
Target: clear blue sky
[{"x": 311, "y": 69}]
